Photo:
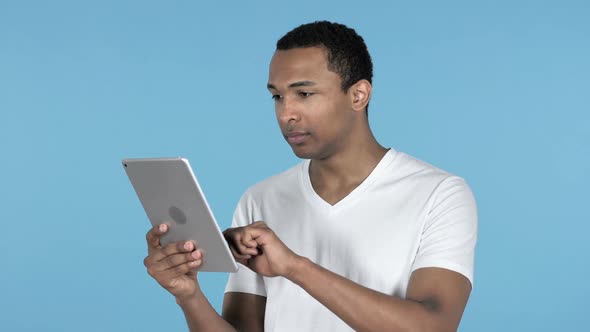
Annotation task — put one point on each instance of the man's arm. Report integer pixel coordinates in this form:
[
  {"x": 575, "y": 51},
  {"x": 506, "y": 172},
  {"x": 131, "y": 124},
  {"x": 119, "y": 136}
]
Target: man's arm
[
  {"x": 241, "y": 312},
  {"x": 245, "y": 312},
  {"x": 435, "y": 297},
  {"x": 174, "y": 266},
  {"x": 200, "y": 315}
]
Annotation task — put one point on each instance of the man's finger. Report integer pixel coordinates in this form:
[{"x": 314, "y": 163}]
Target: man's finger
[
  {"x": 154, "y": 234},
  {"x": 232, "y": 237},
  {"x": 171, "y": 261},
  {"x": 178, "y": 270},
  {"x": 257, "y": 232},
  {"x": 156, "y": 268},
  {"x": 247, "y": 244},
  {"x": 161, "y": 253},
  {"x": 242, "y": 259},
  {"x": 243, "y": 245}
]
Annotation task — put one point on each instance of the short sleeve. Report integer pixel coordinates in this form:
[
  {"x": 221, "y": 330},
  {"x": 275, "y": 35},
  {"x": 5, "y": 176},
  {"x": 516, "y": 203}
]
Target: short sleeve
[
  {"x": 245, "y": 280},
  {"x": 449, "y": 234}
]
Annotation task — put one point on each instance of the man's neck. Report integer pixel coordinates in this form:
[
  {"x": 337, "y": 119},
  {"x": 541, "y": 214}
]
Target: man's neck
[{"x": 335, "y": 177}]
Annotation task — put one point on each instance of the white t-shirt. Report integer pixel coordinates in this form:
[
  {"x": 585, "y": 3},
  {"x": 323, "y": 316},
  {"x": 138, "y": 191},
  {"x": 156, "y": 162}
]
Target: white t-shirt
[{"x": 406, "y": 215}]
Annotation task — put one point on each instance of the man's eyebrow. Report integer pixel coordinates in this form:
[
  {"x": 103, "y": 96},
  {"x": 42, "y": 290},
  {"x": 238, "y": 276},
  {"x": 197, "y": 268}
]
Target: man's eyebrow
[
  {"x": 301, "y": 83},
  {"x": 293, "y": 85}
]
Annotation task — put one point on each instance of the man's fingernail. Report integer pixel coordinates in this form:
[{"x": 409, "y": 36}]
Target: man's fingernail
[
  {"x": 187, "y": 246},
  {"x": 162, "y": 227},
  {"x": 196, "y": 254}
]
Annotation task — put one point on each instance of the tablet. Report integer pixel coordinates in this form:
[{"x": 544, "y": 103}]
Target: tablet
[{"x": 170, "y": 193}]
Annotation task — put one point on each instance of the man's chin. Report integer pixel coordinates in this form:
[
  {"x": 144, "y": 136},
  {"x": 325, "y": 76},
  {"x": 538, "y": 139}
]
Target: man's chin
[{"x": 302, "y": 153}]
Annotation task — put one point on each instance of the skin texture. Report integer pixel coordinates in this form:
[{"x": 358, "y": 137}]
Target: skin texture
[{"x": 329, "y": 126}]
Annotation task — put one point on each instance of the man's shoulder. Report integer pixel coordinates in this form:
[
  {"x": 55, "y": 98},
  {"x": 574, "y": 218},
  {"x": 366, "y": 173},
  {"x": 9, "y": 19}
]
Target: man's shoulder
[
  {"x": 289, "y": 178},
  {"x": 410, "y": 167},
  {"x": 423, "y": 177}
]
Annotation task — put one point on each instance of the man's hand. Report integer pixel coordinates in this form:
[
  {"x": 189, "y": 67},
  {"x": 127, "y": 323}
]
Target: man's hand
[
  {"x": 259, "y": 248},
  {"x": 174, "y": 266}
]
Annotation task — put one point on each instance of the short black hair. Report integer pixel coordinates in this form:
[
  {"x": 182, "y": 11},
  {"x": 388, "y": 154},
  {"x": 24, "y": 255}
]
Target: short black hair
[{"x": 347, "y": 52}]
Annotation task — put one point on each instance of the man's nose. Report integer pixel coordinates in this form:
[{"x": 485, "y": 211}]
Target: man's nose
[{"x": 289, "y": 110}]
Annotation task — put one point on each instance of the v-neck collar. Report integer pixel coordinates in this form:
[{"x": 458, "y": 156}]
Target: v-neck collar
[{"x": 318, "y": 202}]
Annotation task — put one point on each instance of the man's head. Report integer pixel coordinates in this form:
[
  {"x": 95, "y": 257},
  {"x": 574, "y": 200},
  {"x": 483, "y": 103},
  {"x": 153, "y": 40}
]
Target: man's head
[
  {"x": 347, "y": 52},
  {"x": 320, "y": 92}
]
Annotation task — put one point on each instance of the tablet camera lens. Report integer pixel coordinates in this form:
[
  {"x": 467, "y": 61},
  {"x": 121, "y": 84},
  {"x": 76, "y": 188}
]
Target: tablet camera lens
[{"x": 177, "y": 215}]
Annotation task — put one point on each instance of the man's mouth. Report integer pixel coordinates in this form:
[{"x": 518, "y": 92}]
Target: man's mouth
[{"x": 296, "y": 137}]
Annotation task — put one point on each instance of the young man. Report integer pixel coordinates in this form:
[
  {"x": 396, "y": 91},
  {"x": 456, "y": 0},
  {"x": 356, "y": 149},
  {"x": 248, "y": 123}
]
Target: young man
[{"x": 355, "y": 237}]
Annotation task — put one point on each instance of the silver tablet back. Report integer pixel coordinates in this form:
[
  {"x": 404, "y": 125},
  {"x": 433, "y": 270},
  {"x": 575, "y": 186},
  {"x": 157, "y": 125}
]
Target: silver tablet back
[{"x": 170, "y": 193}]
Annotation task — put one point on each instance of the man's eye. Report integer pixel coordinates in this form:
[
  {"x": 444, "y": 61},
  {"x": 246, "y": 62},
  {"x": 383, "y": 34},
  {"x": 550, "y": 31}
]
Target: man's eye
[
  {"x": 305, "y": 94},
  {"x": 277, "y": 97}
]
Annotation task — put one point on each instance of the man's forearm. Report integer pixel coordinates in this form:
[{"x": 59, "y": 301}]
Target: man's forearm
[
  {"x": 200, "y": 315},
  {"x": 362, "y": 308}
]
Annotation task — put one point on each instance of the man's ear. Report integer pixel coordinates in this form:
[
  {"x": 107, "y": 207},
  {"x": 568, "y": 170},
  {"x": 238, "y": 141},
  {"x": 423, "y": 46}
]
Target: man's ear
[{"x": 360, "y": 94}]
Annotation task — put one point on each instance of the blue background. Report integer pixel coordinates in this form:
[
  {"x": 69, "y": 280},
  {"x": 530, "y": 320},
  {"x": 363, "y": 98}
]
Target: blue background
[{"x": 497, "y": 92}]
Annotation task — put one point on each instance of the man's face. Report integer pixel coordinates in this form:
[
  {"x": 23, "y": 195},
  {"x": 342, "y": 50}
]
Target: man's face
[{"x": 314, "y": 114}]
